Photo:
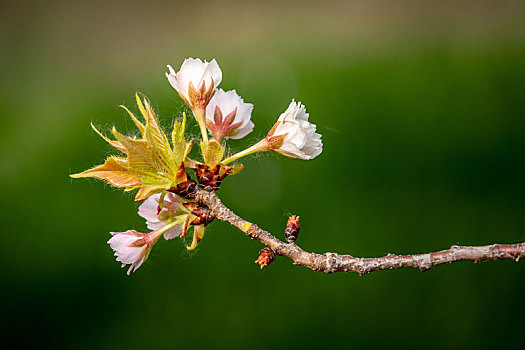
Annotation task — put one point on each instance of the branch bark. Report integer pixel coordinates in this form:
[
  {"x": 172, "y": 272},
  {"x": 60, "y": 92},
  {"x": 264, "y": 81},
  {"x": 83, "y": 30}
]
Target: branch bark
[{"x": 333, "y": 262}]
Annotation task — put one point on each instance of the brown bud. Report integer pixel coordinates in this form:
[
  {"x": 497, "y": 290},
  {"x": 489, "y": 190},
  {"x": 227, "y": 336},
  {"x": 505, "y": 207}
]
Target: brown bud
[
  {"x": 266, "y": 256},
  {"x": 292, "y": 229},
  {"x": 203, "y": 213},
  {"x": 210, "y": 179},
  {"x": 185, "y": 189}
]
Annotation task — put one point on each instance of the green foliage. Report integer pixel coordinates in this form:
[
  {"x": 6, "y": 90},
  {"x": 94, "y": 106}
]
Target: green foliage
[{"x": 151, "y": 164}]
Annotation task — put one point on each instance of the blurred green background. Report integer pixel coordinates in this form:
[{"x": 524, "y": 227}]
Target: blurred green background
[{"x": 421, "y": 107}]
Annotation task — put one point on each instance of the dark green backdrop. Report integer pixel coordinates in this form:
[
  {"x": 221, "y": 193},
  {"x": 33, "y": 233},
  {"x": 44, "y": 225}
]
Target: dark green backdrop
[{"x": 421, "y": 107}]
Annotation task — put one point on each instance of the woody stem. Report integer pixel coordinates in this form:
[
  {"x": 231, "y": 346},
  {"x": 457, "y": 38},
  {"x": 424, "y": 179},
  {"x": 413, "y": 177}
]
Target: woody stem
[{"x": 334, "y": 262}]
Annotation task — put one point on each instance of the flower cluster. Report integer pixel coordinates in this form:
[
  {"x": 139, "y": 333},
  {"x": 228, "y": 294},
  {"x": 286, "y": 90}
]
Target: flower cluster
[{"x": 158, "y": 167}]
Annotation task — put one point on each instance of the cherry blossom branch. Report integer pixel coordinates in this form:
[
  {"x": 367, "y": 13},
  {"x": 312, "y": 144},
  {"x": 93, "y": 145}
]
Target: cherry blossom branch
[{"x": 333, "y": 262}]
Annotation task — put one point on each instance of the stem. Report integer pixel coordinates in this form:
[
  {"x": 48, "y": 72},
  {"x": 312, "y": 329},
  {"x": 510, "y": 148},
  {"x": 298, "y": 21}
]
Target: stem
[
  {"x": 258, "y": 147},
  {"x": 333, "y": 262},
  {"x": 162, "y": 230},
  {"x": 204, "y": 132},
  {"x": 200, "y": 115}
]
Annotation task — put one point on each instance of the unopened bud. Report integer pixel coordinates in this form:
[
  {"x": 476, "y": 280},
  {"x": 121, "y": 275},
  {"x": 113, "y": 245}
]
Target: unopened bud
[
  {"x": 266, "y": 256},
  {"x": 292, "y": 229},
  {"x": 210, "y": 178},
  {"x": 203, "y": 213}
]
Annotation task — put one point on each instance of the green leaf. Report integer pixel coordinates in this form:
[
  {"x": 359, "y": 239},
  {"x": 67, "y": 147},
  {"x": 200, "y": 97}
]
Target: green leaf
[
  {"x": 212, "y": 152},
  {"x": 235, "y": 169},
  {"x": 135, "y": 120},
  {"x": 140, "y": 105},
  {"x": 190, "y": 163},
  {"x": 147, "y": 190},
  {"x": 113, "y": 143},
  {"x": 140, "y": 157},
  {"x": 177, "y": 138},
  {"x": 151, "y": 165},
  {"x": 157, "y": 140}
]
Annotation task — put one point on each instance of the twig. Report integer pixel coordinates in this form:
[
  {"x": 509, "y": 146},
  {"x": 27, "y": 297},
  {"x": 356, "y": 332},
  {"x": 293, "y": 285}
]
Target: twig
[{"x": 333, "y": 262}]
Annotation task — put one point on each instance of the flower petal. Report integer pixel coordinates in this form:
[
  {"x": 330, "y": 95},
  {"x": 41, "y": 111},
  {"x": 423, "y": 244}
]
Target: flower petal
[
  {"x": 173, "y": 232},
  {"x": 301, "y": 140},
  {"x": 229, "y": 103},
  {"x": 148, "y": 208}
]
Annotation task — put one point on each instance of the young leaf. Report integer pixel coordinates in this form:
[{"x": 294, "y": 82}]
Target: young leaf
[
  {"x": 190, "y": 163},
  {"x": 177, "y": 138},
  {"x": 140, "y": 105},
  {"x": 198, "y": 233},
  {"x": 150, "y": 166},
  {"x": 114, "y": 171},
  {"x": 140, "y": 157},
  {"x": 158, "y": 141},
  {"x": 113, "y": 143},
  {"x": 135, "y": 120},
  {"x": 235, "y": 169},
  {"x": 212, "y": 152},
  {"x": 147, "y": 190}
]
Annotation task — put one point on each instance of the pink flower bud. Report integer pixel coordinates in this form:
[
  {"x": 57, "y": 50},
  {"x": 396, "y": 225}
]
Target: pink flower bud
[{"x": 132, "y": 247}]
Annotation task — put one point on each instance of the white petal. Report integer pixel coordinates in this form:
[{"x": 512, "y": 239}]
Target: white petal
[
  {"x": 301, "y": 112},
  {"x": 173, "y": 232},
  {"x": 148, "y": 208},
  {"x": 222, "y": 100},
  {"x": 191, "y": 70},
  {"x": 121, "y": 240},
  {"x": 130, "y": 255},
  {"x": 301, "y": 140},
  {"x": 289, "y": 113},
  {"x": 212, "y": 72},
  {"x": 242, "y": 131},
  {"x": 156, "y": 225},
  {"x": 137, "y": 264},
  {"x": 120, "y": 243},
  {"x": 172, "y": 78},
  {"x": 244, "y": 113},
  {"x": 291, "y": 150},
  {"x": 227, "y": 102}
]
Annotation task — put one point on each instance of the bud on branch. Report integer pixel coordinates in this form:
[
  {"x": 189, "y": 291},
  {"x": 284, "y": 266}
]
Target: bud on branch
[{"x": 266, "y": 257}]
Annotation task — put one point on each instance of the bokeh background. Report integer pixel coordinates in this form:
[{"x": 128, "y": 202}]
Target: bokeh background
[{"x": 421, "y": 107}]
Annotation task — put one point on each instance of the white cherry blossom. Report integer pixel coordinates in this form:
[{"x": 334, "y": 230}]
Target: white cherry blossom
[
  {"x": 293, "y": 136},
  {"x": 195, "y": 75},
  {"x": 228, "y": 116},
  {"x": 132, "y": 247}
]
